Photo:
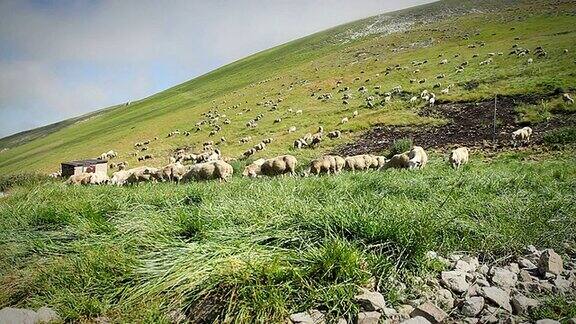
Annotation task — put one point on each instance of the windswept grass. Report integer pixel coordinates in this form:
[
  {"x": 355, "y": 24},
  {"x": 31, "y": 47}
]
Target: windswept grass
[{"x": 257, "y": 250}]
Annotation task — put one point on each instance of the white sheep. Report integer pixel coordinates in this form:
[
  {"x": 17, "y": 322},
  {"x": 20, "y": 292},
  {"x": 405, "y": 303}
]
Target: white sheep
[
  {"x": 417, "y": 158},
  {"x": 344, "y": 120},
  {"x": 459, "y": 157},
  {"x": 522, "y": 135},
  {"x": 292, "y": 129}
]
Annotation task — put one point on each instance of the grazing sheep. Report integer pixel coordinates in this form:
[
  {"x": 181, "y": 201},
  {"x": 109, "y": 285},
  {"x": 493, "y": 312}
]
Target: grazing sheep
[
  {"x": 566, "y": 97},
  {"x": 253, "y": 170},
  {"x": 246, "y": 139},
  {"x": 355, "y": 114},
  {"x": 398, "y": 161},
  {"x": 300, "y": 143},
  {"x": 142, "y": 174},
  {"x": 98, "y": 178},
  {"x": 413, "y": 99},
  {"x": 277, "y": 120},
  {"x": 358, "y": 162},
  {"x": 522, "y": 135},
  {"x": 444, "y": 61},
  {"x": 432, "y": 101},
  {"x": 260, "y": 146},
  {"x": 334, "y": 134},
  {"x": 249, "y": 152},
  {"x": 292, "y": 129},
  {"x": 299, "y": 112},
  {"x": 327, "y": 164},
  {"x": 267, "y": 141},
  {"x": 173, "y": 172},
  {"x": 418, "y": 158},
  {"x": 378, "y": 162},
  {"x": 209, "y": 170},
  {"x": 344, "y": 120},
  {"x": 280, "y": 165},
  {"x": 79, "y": 179},
  {"x": 459, "y": 157}
]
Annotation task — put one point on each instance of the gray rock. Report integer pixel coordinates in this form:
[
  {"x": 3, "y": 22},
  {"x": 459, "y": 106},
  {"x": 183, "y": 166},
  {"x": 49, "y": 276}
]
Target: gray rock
[
  {"x": 522, "y": 303},
  {"x": 431, "y": 312},
  {"x": 417, "y": 320},
  {"x": 472, "y": 261},
  {"x": 498, "y": 296},
  {"x": 504, "y": 278},
  {"x": 390, "y": 312},
  {"x": 526, "y": 264},
  {"x": 513, "y": 267},
  {"x": 312, "y": 316},
  {"x": 484, "y": 269},
  {"x": 547, "y": 321},
  {"x": 472, "y": 306},
  {"x": 444, "y": 299},
  {"x": 370, "y": 300},
  {"x": 561, "y": 285},
  {"x": 405, "y": 310},
  {"x": 532, "y": 249},
  {"x": 551, "y": 262},
  {"x": 463, "y": 266},
  {"x": 455, "y": 281},
  {"x": 368, "y": 317},
  {"x": 9, "y": 315},
  {"x": 524, "y": 276},
  {"x": 46, "y": 315}
]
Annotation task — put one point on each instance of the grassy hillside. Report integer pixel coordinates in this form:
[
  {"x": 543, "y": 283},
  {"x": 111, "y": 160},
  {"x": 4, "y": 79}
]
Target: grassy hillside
[
  {"x": 258, "y": 250},
  {"x": 358, "y": 54}
]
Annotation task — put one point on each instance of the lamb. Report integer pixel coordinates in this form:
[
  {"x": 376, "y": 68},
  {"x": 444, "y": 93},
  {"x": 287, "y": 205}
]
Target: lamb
[
  {"x": 418, "y": 158},
  {"x": 459, "y": 157},
  {"x": 398, "y": 161},
  {"x": 280, "y": 165},
  {"x": 522, "y": 135},
  {"x": 209, "y": 170}
]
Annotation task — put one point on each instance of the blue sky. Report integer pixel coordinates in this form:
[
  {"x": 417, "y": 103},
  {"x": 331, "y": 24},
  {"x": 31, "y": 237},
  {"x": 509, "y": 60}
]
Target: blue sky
[{"x": 60, "y": 59}]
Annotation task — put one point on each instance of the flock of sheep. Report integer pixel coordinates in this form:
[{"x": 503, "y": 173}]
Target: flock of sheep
[{"x": 209, "y": 164}]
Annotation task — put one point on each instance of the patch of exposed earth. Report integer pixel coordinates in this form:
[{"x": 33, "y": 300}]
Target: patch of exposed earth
[{"x": 469, "y": 124}]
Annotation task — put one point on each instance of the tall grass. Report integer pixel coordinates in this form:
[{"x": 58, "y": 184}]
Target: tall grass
[{"x": 257, "y": 250}]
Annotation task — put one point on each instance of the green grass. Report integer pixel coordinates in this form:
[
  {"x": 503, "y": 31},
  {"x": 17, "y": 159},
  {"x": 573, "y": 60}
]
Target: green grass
[
  {"x": 258, "y": 250},
  {"x": 317, "y": 62}
]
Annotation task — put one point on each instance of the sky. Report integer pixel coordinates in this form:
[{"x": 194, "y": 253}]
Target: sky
[{"x": 60, "y": 59}]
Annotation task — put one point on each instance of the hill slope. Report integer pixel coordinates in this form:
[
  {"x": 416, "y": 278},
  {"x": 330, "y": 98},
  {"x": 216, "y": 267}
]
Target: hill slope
[{"x": 377, "y": 51}]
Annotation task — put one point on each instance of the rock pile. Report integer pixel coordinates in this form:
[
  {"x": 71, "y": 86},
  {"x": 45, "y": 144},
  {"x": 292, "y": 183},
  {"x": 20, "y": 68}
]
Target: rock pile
[{"x": 471, "y": 292}]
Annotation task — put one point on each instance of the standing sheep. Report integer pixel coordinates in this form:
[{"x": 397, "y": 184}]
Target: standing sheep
[
  {"x": 209, "y": 170},
  {"x": 398, "y": 161},
  {"x": 522, "y": 135},
  {"x": 418, "y": 158},
  {"x": 459, "y": 157},
  {"x": 280, "y": 165}
]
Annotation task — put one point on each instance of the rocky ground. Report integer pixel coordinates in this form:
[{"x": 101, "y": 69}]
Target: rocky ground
[{"x": 472, "y": 292}]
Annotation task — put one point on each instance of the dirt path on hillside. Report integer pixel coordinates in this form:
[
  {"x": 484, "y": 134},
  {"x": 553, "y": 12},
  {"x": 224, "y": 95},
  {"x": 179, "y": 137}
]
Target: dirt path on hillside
[{"x": 470, "y": 124}]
